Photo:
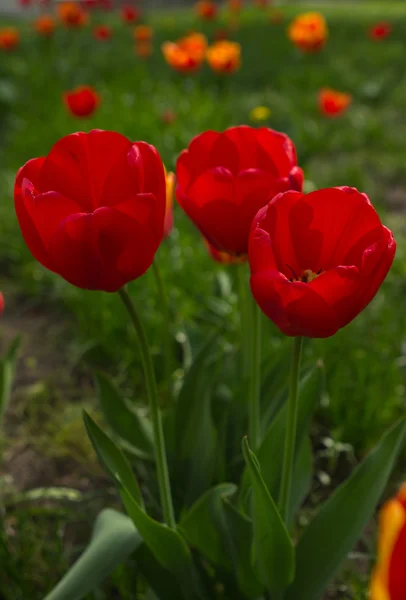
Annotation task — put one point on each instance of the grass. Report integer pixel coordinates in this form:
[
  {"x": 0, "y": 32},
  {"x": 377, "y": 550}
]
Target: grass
[{"x": 365, "y": 381}]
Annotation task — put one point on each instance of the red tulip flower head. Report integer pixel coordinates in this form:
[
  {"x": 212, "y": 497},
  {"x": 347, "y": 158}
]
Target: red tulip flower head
[
  {"x": 45, "y": 25},
  {"x": 102, "y": 32},
  {"x": 82, "y": 101},
  {"x": 72, "y": 14},
  {"x": 317, "y": 260},
  {"x": 333, "y": 103},
  {"x": 9, "y": 38},
  {"x": 25, "y": 3},
  {"x": 389, "y": 578},
  {"x": 225, "y": 178},
  {"x": 130, "y": 14},
  {"x": 93, "y": 210},
  {"x": 380, "y": 31},
  {"x": 206, "y": 10}
]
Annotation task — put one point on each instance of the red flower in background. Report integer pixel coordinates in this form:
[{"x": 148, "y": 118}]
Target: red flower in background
[
  {"x": 168, "y": 116},
  {"x": 333, "y": 103},
  {"x": 9, "y": 38},
  {"x": 25, "y": 3},
  {"x": 235, "y": 6},
  {"x": 93, "y": 210},
  {"x": 389, "y": 577},
  {"x": 1, "y": 304},
  {"x": 380, "y": 31},
  {"x": 82, "y": 101},
  {"x": 45, "y": 25},
  {"x": 317, "y": 260},
  {"x": 143, "y": 33},
  {"x": 206, "y": 10},
  {"x": 102, "y": 32},
  {"x": 225, "y": 178},
  {"x": 72, "y": 14},
  {"x": 187, "y": 54},
  {"x": 130, "y": 14}
]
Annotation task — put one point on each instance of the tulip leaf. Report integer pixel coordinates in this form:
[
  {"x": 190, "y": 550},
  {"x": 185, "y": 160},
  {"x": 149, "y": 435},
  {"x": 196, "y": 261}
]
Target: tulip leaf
[
  {"x": 273, "y": 549},
  {"x": 270, "y": 452},
  {"x": 200, "y": 524},
  {"x": 124, "y": 421},
  {"x": 195, "y": 432},
  {"x": 114, "y": 539},
  {"x": 161, "y": 581},
  {"x": 7, "y": 369},
  {"x": 332, "y": 534},
  {"x": 112, "y": 458},
  {"x": 167, "y": 545}
]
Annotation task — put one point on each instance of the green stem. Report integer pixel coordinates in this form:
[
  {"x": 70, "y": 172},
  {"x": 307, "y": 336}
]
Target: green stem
[
  {"x": 244, "y": 322},
  {"x": 152, "y": 392},
  {"x": 291, "y": 426},
  {"x": 163, "y": 300},
  {"x": 255, "y": 379}
]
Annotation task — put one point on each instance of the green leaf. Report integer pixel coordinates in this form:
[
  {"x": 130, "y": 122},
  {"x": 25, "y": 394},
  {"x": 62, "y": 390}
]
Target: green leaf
[
  {"x": 7, "y": 369},
  {"x": 114, "y": 539},
  {"x": 112, "y": 458},
  {"x": 200, "y": 524},
  {"x": 167, "y": 545},
  {"x": 124, "y": 421},
  {"x": 270, "y": 453},
  {"x": 161, "y": 581},
  {"x": 273, "y": 548},
  {"x": 239, "y": 532},
  {"x": 194, "y": 427},
  {"x": 334, "y": 531}
]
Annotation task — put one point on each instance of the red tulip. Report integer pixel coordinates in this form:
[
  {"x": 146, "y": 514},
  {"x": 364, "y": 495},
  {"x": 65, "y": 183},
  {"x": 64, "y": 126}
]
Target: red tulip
[
  {"x": 225, "y": 178},
  {"x": 45, "y": 25},
  {"x": 1, "y": 304},
  {"x": 24, "y": 3},
  {"x": 223, "y": 257},
  {"x": 130, "y": 14},
  {"x": 333, "y": 103},
  {"x": 9, "y": 38},
  {"x": 317, "y": 260},
  {"x": 102, "y": 32},
  {"x": 82, "y": 101},
  {"x": 380, "y": 31},
  {"x": 206, "y": 10},
  {"x": 93, "y": 210}
]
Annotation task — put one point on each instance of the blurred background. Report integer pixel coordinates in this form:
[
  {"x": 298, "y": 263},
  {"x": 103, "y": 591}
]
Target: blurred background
[{"x": 67, "y": 333}]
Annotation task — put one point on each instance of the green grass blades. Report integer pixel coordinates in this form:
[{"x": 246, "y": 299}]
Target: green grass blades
[
  {"x": 114, "y": 539},
  {"x": 273, "y": 552},
  {"x": 331, "y": 535}
]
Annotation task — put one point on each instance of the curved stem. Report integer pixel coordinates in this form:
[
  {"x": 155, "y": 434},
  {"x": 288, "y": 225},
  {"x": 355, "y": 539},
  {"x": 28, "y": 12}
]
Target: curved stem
[
  {"x": 290, "y": 435},
  {"x": 152, "y": 392},
  {"x": 163, "y": 299}
]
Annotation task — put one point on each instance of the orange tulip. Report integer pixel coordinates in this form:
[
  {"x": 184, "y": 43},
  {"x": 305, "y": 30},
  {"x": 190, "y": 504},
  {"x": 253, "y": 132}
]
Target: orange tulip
[
  {"x": 187, "y": 54},
  {"x": 72, "y": 14},
  {"x": 389, "y": 577},
  {"x": 170, "y": 188},
  {"x": 45, "y": 25},
  {"x": 144, "y": 49},
  {"x": 224, "y": 56},
  {"x": 333, "y": 103},
  {"x": 207, "y": 10},
  {"x": 143, "y": 33},
  {"x": 308, "y": 31},
  {"x": 9, "y": 38}
]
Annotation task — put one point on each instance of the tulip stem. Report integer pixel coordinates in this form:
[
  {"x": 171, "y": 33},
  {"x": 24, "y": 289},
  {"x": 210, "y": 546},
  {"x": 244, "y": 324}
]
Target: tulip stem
[
  {"x": 255, "y": 378},
  {"x": 152, "y": 392},
  {"x": 163, "y": 298},
  {"x": 291, "y": 426}
]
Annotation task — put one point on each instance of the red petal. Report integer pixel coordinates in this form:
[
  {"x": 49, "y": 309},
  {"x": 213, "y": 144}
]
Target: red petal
[
  {"x": 397, "y": 571},
  {"x": 294, "y": 307},
  {"x": 154, "y": 182}
]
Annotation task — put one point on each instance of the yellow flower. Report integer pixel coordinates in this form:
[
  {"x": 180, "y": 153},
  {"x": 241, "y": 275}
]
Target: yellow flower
[{"x": 260, "y": 113}]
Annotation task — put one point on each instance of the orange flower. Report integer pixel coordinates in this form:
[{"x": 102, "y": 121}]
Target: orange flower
[
  {"x": 333, "y": 103},
  {"x": 308, "y": 31},
  {"x": 224, "y": 56},
  {"x": 82, "y": 101},
  {"x": 223, "y": 257},
  {"x": 206, "y": 9},
  {"x": 234, "y": 6},
  {"x": 143, "y": 33},
  {"x": 9, "y": 38},
  {"x": 144, "y": 49},
  {"x": 170, "y": 187},
  {"x": 72, "y": 14},
  {"x": 388, "y": 580},
  {"x": 187, "y": 54},
  {"x": 45, "y": 25}
]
